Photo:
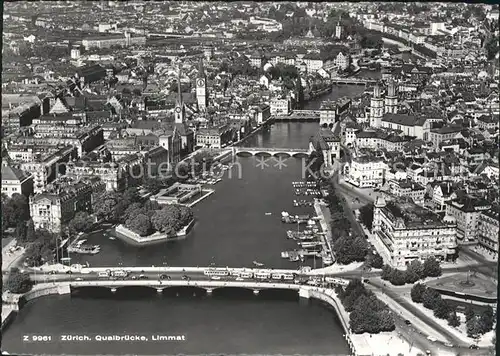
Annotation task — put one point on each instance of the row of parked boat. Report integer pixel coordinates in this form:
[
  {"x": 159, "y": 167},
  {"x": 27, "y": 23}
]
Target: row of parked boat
[
  {"x": 311, "y": 192},
  {"x": 294, "y": 219},
  {"x": 304, "y": 184},
  {"x": 83, "y": 249},
  {"x": 303, "y": 203}
]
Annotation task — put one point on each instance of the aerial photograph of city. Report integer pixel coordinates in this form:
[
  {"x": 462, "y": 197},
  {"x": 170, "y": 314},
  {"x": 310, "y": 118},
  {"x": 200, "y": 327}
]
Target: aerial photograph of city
[{"x": 250, "y": 178}]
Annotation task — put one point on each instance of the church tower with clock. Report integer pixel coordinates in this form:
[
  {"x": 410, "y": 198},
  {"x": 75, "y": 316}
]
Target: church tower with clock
[
  {"x": 180, "y": 112},
  {"x": 201, "y": 88}
]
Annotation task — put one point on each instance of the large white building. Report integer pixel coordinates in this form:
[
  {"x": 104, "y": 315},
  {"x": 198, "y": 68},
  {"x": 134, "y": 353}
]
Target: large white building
[
  {"x": 365, "y": 171},
  {"x": 409, "y": 232},
  {"x": 107, "y": 41},
  {"x": 280, "y": 106}
]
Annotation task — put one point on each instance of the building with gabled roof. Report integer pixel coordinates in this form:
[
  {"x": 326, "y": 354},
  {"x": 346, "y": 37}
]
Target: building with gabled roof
[
  {"x": 327, "y": 142},
  {"x": 16, "y": 181}
]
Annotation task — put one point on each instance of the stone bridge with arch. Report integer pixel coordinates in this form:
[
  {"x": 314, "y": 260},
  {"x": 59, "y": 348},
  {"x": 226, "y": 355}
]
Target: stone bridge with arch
[
  {"x": 270, "y": 151},
  {"x": 207, "y": 285}
]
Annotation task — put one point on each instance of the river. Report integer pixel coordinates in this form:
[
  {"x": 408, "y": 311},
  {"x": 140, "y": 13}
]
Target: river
[{"x": 232, "y": 229}]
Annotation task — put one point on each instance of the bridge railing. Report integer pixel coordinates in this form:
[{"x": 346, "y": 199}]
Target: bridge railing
[{"x": 181, "y": 269}]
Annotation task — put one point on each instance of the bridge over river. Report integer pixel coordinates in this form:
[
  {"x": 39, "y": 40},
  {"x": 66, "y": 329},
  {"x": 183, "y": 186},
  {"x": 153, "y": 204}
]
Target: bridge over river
[
  {"x": 207, "y": 285},
  {"x": 271, "y": 151},
  {"x": 356, "y": 81}
]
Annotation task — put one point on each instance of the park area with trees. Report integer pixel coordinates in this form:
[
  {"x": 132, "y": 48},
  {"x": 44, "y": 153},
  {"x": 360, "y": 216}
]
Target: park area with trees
[
  {"x": 18, "y": 282},
  {"x": 414, "y": 272},
  {"x": 143, "y": 218},
  {"x": 367, "y": 313},
  {"x": 476, "y": 323}
]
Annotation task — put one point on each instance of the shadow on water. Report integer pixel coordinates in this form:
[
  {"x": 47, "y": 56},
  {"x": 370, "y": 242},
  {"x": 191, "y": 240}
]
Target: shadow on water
[
  {"x": 122, "y": 293},
  {"x": 184, "y": 292},
  {"x": 278, "y": 294},
  {"x": 233, "y": 293}
]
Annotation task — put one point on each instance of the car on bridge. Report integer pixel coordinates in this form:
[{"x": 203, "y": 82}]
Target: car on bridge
[
  {"x": 164, "y": 276},
  {"x": 186, "y": 278}
]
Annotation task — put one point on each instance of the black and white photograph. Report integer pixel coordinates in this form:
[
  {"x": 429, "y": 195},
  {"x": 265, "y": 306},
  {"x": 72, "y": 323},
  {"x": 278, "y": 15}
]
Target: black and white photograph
[{"x": 250, "y": 178}]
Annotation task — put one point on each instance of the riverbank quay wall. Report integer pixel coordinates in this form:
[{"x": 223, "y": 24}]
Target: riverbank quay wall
[
  {"x": 330, "y": 297},
  {"x": 12, "y": 303},
  {"x": 156, "y": 237},
  {"x": 326, "y": 239}
]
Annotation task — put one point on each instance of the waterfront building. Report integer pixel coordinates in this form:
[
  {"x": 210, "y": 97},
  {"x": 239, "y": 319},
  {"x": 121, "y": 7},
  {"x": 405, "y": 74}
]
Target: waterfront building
[
  {"x": 214, "y": 137},
  {"x": 488, "y": 232},
  {"x": 201, "y": 88},
  {"x": 407, "y": 232},
  {"x": 327, "y": 142},
  {"x": 365, "y": 171},
  {"x": 376, "y": 108},
  {"x": 16, "y": 181},
  {"x": 280, "y": 106},
  {"x": 263, "y": 113},
  {"x": 62, "y": 200},
  {"x": 328, "y": 114},
  {"x": 466, "y": 211},
  {"x": 177, "y": 194}
]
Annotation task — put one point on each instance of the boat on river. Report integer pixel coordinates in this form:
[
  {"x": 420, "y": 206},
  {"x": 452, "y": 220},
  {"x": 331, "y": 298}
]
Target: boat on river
[
  {"x": 257, "y": 264},
  {"x": 85, "y": 249}
]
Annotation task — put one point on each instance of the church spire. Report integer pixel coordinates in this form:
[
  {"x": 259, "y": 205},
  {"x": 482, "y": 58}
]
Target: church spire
[
  {"x": 201, "y": 69},
  {"x": 179, "y": 93}
]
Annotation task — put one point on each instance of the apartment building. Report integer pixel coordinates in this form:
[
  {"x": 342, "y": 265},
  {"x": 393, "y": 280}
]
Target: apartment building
[
  {"x": 408, "y": 189},
  {"x": 280, "y": 106},
  {"x": 365, "y": 171},
  {"x": 408, "y": 232},
  {"x": 46, "y": 170},
  {"x": 466, "y": 211},
  {"x": 487, "y": 236}
]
